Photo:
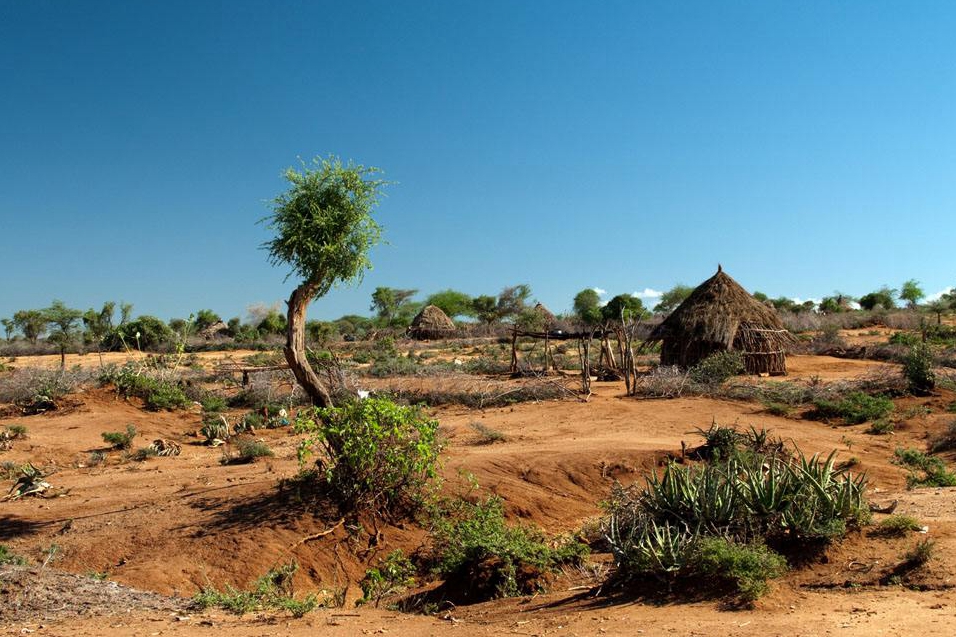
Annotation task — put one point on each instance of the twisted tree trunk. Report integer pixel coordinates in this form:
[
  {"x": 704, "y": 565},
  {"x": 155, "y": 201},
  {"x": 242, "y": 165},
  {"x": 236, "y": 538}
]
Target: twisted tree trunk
[{"x": 295, "y": 346}]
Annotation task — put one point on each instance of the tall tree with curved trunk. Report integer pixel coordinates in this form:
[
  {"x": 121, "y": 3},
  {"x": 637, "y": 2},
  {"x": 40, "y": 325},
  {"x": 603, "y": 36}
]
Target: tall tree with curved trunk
[{"x": 323, "y": 229}]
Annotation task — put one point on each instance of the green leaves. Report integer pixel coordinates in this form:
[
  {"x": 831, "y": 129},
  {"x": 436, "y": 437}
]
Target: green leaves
[
  {"x": 372, "y": 454},
  {"x": 323, "y": 223}
]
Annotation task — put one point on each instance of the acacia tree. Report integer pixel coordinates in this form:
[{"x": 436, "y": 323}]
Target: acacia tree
[
  {"x": 911, "y": 292},
  {"x": 323, "y": 229},
  {"x": 64, "y": 320}
]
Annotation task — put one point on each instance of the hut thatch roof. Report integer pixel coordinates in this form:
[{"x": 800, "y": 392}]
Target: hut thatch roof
[
  {"x": 431, "y": 322},
  {"x": 721, "y": 315},
  {"x": 544, "y": 314}
]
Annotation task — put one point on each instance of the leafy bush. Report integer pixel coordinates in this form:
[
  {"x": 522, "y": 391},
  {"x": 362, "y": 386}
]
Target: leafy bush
[
  {"x": 924, "y": 470},
  {"x": 371, "y": 454},
  {"x": 247, "y": 451},
  {"x": 854, "y": 408},
  {"x": 486, "y": 435},
  {"x": 918, "y": 369},
  {"x": 905, "y": 338},
  {"x": 747, "y": 566},
  {"x": 272, "y": 591},
  {"x": 474, "y": 547},
  {"x": 898, "y": 526},
  {"x": 717, "y": 368},
  {"x": 120, "y": 440},
  {"x": 393, "y": 575},
  {"x": 157, "y": 394},
  {"x": 9, "y": 557},
  {"x": 213, "y": 403},
  {"x": 881, "y": 427}
]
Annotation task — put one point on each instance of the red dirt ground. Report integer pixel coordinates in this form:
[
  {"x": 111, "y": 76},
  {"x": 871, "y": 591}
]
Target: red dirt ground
[{"x": 172, "y": 525}]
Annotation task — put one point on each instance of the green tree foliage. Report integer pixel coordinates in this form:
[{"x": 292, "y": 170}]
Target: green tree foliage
[
  {"x": 760, "y": 296},
  {"x": 672, "y": 298},
  {"x": 452, "y": 302},
  {"x": 63, "y": 326},
  {"x": 884, "y": 297},
  {"x": 321, "y": 332},
  {"x": 323, "y": 230},
  {"x": 835, "y": 304},
  {"x": 98, "y": 324},
  {"x": 9, "y": 327},
  {"x": 353, "y": 325},
  {"x": 624, "y": 306},
  {"x": 31, "y": 323},
  {"x": 126, "y": 312},
  {"x": 587, "y": 307},
  {"x": 272, "y": 323},
  {"x": 205, "y": 318},
  {"x": 911, "y": 292},
  {"x": 512, "y": 301},
  {"x": 485, "y": 308},
  {"x": 393, "y": 305},
  {"x": 144, "y": 333}
]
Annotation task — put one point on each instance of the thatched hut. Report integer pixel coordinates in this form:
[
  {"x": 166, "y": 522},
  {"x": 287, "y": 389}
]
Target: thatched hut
[
  {"x": 431, "y": 323},
  {"x": 543, "y": 315},
  {"x": 721, "y": 316}
]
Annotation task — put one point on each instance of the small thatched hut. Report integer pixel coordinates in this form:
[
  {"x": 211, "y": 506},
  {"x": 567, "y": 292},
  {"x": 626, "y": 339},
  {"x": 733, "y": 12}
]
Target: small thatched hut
[
  {"x": 431, "y": 323},
  {"x": 721, "y": 316},
  {"x": 543, "y": 315}
]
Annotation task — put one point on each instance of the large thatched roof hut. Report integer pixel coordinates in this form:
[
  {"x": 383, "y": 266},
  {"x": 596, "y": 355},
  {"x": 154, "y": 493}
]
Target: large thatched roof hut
[
  {"x": 720, "y": 316},
  {"x": 431, "y": 323}
]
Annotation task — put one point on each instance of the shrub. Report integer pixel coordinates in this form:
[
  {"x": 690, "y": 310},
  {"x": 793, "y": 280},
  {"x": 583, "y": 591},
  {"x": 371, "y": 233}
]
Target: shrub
[
  {"x": 213, "y": 403},
  {"x": 474, "y": 547},
  {"x": 157, "y": 394},
  {"x": 897, "y": 526},
  {"x": 918, "y": 369},
  {"x": 9, "y": 557},
  {"x": 393, "y": 575},
  {"x": 272, "y": 591},
  {"x": 854, "y": 408},
  {"x": 372, "y": 454},
  {"x": 881, "y": 427},
  {"x": 924, "y": 470},
  {"x": 17, "y": 431},
  {"x": 247, "y": 451},
  {"x": 717, "y": 368},
  {"x": 921, "y": 553},
  {"x": 747, "y": 566},
  {"x": 120, "y": 440},
  {"x": 486, "y": 435}
]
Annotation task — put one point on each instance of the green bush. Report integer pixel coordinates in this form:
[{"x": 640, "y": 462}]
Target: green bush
[
  {"x": 748, "y": 566},
  {"x": 213, "y": 403},
  {"x": 924, "y": 470},
  {"x": 881, "y": 427},
  {"x": 854, "y": 408},
  {"x": 392, "y": 576},
  {"x": 272, "y": 591},
  {"x": 9, "y": 557},
  {"x": 905, "y": 338},
  {"x": 918, "y": 369},
  {"x": 898, "y": 526},
  {"x": 717, "y": 368},
  {"x": 474, "y": 547},
  {"x": 372, "y": 454},
  {"x": 120, "y": 440},
  {"x": 157, "y": 394}
]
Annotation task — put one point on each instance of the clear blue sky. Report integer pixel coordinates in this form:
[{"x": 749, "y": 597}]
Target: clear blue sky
[{"x": 806, "y": 146}]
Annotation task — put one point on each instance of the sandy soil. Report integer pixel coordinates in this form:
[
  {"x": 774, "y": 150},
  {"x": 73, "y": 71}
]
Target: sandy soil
[{"x": 172, "y": 525}]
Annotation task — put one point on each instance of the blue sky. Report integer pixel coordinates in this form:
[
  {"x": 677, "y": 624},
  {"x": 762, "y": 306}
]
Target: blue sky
[{"x": 808, "y": 147}]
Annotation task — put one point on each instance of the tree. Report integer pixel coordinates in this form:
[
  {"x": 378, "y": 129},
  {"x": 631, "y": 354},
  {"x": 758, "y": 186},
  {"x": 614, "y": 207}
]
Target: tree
[
  {"x": 272, "y": 323},
  {"x": 672, "y": 298},
  {"x": 587, "y": 306},
  {"x": 835, "y": 304},
  {"x": 880, "y": 298},
  {"x": 390, "y": 304},
  {"x": 126, "y": 312},
  {"x": 9, "y": 327},
  {"x": 63, "y": 321},
  {"x": 31, "y": 323},
  {"x": 485, "y": 308},
  {"x": 205, "y": 318},
  {"x": 938, "y": 307},
  {"x": 624, "y": 307},
  {"x": 511, "y": 301},
  {"x": 760, "y": 296},
  {"x": 323, "y": 229},
  {"x": 452, "y": 302},
  {"x": 911, "y": 292}
]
